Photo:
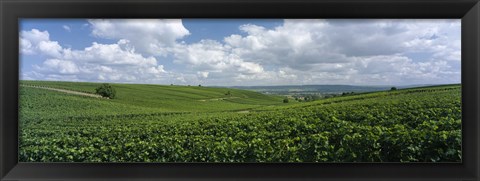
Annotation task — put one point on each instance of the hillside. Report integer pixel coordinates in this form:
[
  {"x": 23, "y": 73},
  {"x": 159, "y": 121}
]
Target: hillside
[
  {"x": 169, "y": 98},
  {"x": 323, "y": 89},
  {"x": 150, "y": 123}
]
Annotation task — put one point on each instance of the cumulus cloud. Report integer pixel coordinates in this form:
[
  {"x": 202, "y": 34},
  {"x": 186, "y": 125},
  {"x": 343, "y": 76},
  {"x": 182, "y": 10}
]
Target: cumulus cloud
[
  {"x": 355, "y": 51},
  {"x": 51, "y": 48},
  {"x": 58, "y": 66},
  {"x": 111, "y": 55},
  {"x": 217, "y": 62},
  {"x": 330, "y": 52},
  {"x": 117, "y": 62},
  {"x": 38, "y": 42},
  {"x": 374, "y": 52},
  {"x": 148, "y": 36}
]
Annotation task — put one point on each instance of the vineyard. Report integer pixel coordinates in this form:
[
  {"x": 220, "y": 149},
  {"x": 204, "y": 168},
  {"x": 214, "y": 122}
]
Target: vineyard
[{"x": 155, "y": 123}]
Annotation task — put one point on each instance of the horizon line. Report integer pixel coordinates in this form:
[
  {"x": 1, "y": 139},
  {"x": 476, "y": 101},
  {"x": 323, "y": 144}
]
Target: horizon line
[{"x": 278, "y": 85}]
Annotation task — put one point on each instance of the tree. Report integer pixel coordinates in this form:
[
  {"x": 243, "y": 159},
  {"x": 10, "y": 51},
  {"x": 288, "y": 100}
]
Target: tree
[
  {"x": 306, "y": 99},
  {"x": 106, "y": 90},
  {"x": 285, "y": 100},
  {"x": 228, "y": 93},
  {"x": 199, "y": 85},
  {"x": 393, "y": 88}
]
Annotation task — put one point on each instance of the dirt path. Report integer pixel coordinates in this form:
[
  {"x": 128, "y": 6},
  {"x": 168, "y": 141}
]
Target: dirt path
[
  {"x": 218, "y": 99},
  {"x": 64, "y": 91}
]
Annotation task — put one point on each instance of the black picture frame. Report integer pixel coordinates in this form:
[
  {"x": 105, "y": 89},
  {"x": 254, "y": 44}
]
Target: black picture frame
[{"x": 466, "y": 10}]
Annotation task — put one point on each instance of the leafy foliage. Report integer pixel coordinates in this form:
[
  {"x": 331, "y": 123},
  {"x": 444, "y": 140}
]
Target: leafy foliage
[
  {"x": 411, "y": 125},
  {"x": 106, "y": 90}
]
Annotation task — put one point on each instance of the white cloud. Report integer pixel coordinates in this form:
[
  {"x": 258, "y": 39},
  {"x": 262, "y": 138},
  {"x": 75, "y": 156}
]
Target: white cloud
[
  {"x": 67, "y": 28},
  {"x": 296, "y": 52},
  {"x": 330, "y": 52},
  {"x": 58, "y": 66},
  {"x": 35, "y": 41},
  {"x": 335, "y": 51},
  {"x": 117, "y": 62},
  {"x": 35, "y": 36},
  {"x": 148, "y": 36},
  {"x": 111, "y": 54},
  {"x": 26, "y": 47},
  {"x": 51, "y": 48},
  {"x": 203, "y": 74},
  {"x": 217, "y": 62}
]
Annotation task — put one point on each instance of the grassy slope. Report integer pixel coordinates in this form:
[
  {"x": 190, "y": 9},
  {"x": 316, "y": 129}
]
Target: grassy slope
[
  {"x": 144, "y": 98},
  {"x": 401, "y": 114},
  {"x": 161, "y": 98},
  {"x": 366, "y": 95}
]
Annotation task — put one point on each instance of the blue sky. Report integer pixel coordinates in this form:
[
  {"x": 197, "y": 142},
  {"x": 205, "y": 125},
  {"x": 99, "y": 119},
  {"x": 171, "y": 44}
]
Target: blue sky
[{"x": 241, "y": 52}]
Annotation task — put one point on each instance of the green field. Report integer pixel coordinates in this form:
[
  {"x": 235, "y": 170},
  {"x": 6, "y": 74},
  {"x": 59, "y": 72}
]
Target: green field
[{"x": 164, "y": 123}]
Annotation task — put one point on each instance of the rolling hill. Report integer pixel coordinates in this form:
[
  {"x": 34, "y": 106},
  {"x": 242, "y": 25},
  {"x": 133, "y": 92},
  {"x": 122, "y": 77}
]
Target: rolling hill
[
  {"x": 169, "y": 98},
  {"x": 157, "y": 123}
]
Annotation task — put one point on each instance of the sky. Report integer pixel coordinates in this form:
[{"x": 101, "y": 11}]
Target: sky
[{"x": 242, "y": 52}]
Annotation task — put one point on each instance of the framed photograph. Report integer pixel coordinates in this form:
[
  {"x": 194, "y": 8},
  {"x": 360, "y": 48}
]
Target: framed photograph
[{"x": 239, "y": 90}]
